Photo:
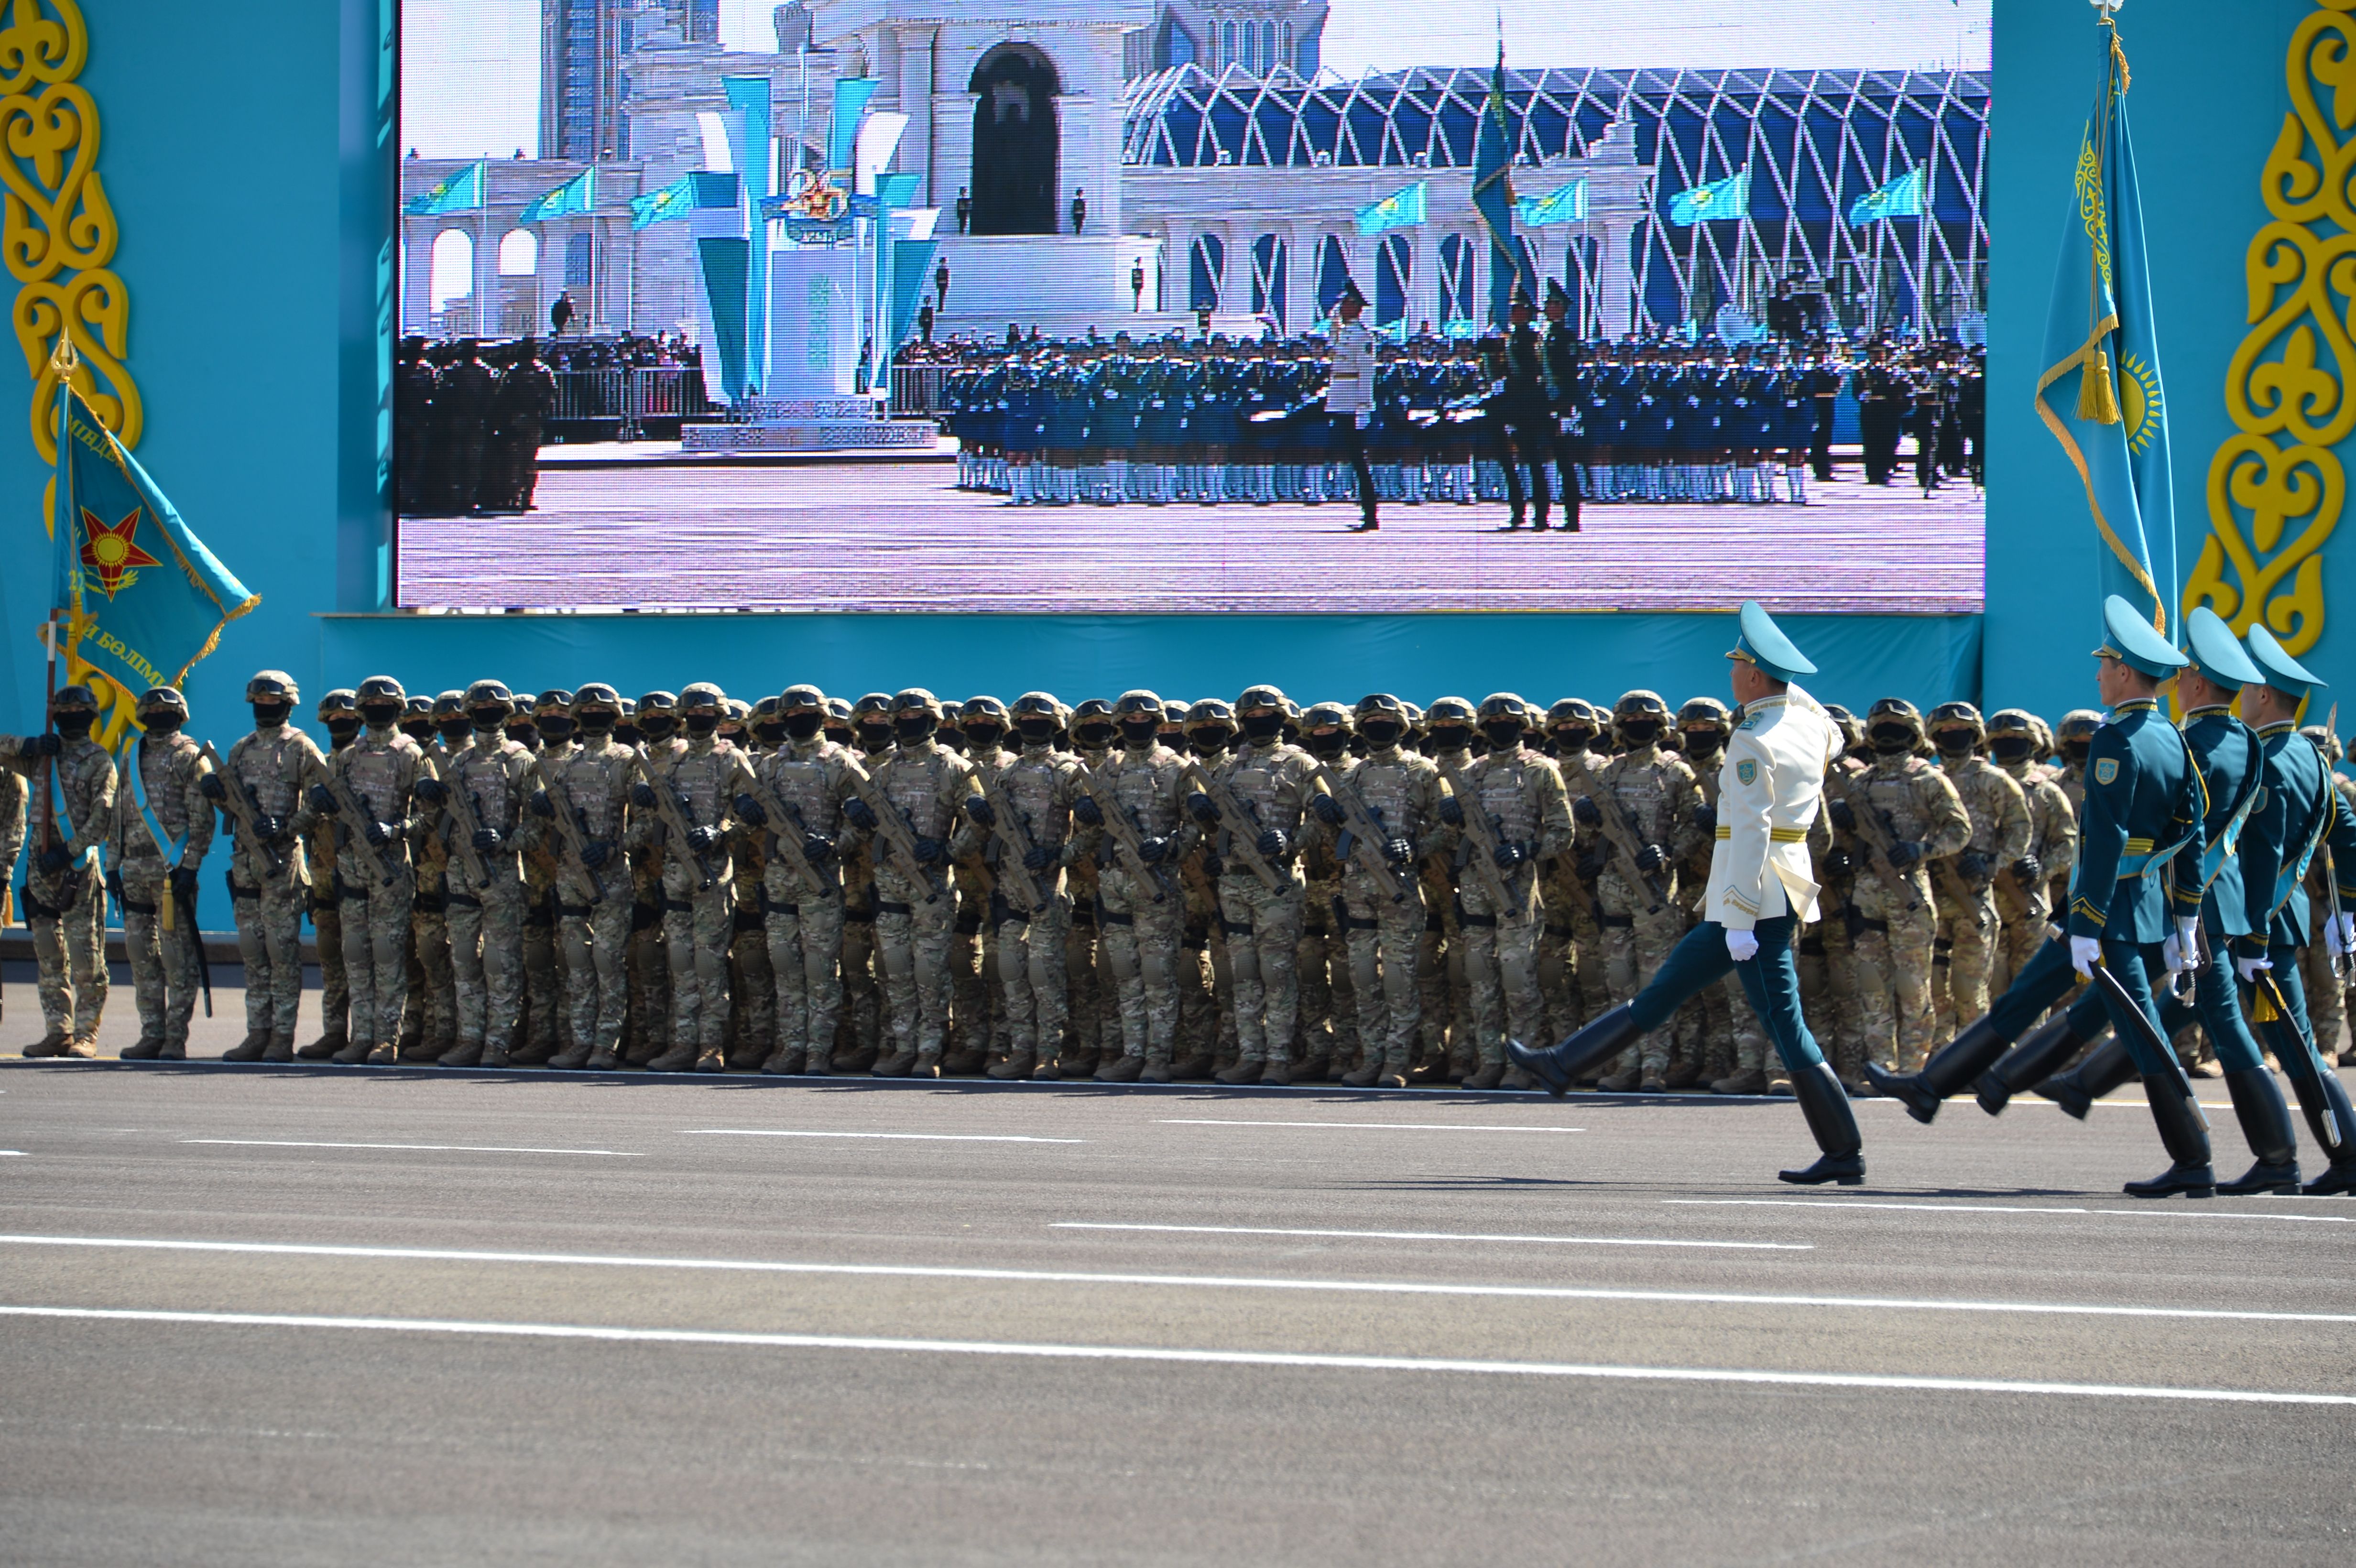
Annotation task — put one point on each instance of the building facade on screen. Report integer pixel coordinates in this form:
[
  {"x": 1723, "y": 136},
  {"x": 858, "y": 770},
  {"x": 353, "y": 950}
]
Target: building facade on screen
[{"x": 1214, "y": 156}]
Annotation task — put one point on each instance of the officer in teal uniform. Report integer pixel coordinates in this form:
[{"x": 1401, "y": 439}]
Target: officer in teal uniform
[
  {"x": 2297, "y": 812},
  {"x": 1770, "y": 788},
  {"x": 2134, "y": 893}
]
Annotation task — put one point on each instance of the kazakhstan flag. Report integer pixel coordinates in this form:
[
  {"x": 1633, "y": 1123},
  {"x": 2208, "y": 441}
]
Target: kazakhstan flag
[
  {"x": 676, "y": 200},
  {"x": 1400, "y": 209},
  {"x": 1567, "y": 204},
  {"x": 1729, "y": 198},
  {"x": 1492, "y": 198},
  {"x": 461, "y": 190},
  {"x": 2100, "y": 391},
  {"x": 144, "y": 599},
  {"x": 578, "y": 194},
  {"x": 1901, "y": 197}
]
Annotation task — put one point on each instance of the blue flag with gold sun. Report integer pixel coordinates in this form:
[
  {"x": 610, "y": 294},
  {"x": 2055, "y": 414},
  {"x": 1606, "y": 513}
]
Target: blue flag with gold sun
[
  {"x": 2100, "y": 391},
  {"x": 143, "y": 598}
]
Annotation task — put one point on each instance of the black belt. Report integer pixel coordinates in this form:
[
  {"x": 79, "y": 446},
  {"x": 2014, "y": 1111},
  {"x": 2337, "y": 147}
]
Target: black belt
[
  {"x": 1559, "y": 931},
  {"x": 678, "y": 906},
  {"x": 426, "y": 903},
  {"x": 1433, "y": 922},
  {"x": 1108, "y": 918},
  {"x": 1617, "y": 921},
  {"x": 539, "y": 912},
  {"x": 36, "y": 910},
  {"x": 457, "y": 901},
  {"x": 968, "y": 919},
  {"x": 858, "y": 914},
  {"x": 1083, "y": 916},
  {"x": 1235, "y": 927},
  {"x": 237, "y": 892},
  {"x": 750, "y": 918},
  {"x": 1811, "y": 946},
  {"x": 1483, "y": 921},
  {"x": 136, "y": 909},
  {"x": 574, "y": 911},
  {"x": 1351, "y": 922},
  {"x": 885, "y": 906},
  {"x": 1880, "y": 926}
]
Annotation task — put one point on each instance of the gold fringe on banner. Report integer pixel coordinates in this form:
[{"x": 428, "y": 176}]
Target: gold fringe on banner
[{"x": 2098, "y": 397}]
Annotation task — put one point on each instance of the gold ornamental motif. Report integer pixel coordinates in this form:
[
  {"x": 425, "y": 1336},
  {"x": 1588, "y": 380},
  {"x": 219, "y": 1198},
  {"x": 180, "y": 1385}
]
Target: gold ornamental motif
[{"x": 2276, "y": 485}]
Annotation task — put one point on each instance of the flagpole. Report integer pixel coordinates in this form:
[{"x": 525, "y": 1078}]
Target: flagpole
[{"x": 64, "y": 362}]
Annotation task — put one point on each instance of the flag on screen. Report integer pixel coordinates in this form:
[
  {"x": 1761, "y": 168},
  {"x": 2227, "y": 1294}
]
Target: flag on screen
[
  {"x": 1492, "y": 196},
  {"x": 1729, "y": 198},
  {"x": 2100, "y": 391},
  {"x": 460, "y": 191},
  {"x": 1402, "y": 209},
  {"x": 578, "y": 194},
  {"x": 144, "y": 598},
  {"x": 1901, "y": 197},
  {"x": 676, "y": 200},
  {"x": 1567, "y": 204}
]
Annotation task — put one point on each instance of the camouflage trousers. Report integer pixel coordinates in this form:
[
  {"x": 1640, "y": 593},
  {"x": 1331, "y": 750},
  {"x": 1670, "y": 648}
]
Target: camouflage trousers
[
  {"x": 1084, "y": 1009},
  {"x": 376, "y": 933},
  {"x": 434, "y": 1019},
  {"x": 861, "y": 1027},
  {"x": 486, "y": 934},
  {"x": 1499, "y": 951},
  {"x": 1828, "y": 987},
  {"x": 912, "y": 938},
  {"x": 269, "y": 914},
  {"x": 1963, "y": 957},
  {"x": 1328, "y": 1026},
  {"x": 971, "y": 1014},
  {"x": 335, "y": 985},
  {"x": 2024, "y": 932},
  {"x": 163, "y": 963},
  {"x": 1386, "y": 940},
  {"x": 1206, "y": 1021},
  {"x": 1263, "y": 944},
  {"x": 595, "y": 938},
  {"x": 69, "y": 923},
  {"x": 2326, "y": 1005},
  {"x": 752, "y": 986},
  {"x": 1439, "y": 980},
  {"x": 1893, "y": 998},
  {"x": 698, "y": 926},
  {"x": 1142, "y": 936},
  {"x": 1636, "y": 942},
  {"x": 648, "y": 1034},
  {"x": 805, "y": 939},
  {"x": 1571, "y": 971},
  {"x": 547, "y": 1026},
  {"x": 1030, "y": 955}
]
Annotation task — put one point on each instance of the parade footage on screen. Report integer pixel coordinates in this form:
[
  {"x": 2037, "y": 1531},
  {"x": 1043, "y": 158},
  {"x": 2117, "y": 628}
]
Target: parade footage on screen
[{"x": 1159, "y": 306}]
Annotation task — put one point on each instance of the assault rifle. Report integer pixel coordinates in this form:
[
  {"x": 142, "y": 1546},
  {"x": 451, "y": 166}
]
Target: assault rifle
[
  {"x": 1367, "y": 829},
  {"x": 356, "y": 820},
  {"x": 1015, "y": 842},
  {"x": 899, "y": 838},
  {"x": 787, "y": 832},
  {"x": 1482, "y": 832},
  {"x": 1125, "y": 839},
  {"x": 470, "y": 822},
  {"x": 672, "y": 807},
  {"x": 1616, "y": 826},
  {"x": 237, "y": 801},
  {"x": 1242, "y": 823},
  {"x": 1871, "y": 825},
  {"x": 570, "y": 826}
]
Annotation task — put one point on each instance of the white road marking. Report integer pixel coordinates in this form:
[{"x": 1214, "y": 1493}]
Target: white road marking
[
  {"x": 441, "y": 1148},
  {"x": 1387, "y": 1127},
  {"x": 12, "y": 1153},
  {"x": 1195, "y": 1357},
  {"x": 2144, "y": 1213},
  {"x": 919, "y": 1137},
  {"x": 1434, "y": 1236},
  {"x": 1203, "y": 1282}
]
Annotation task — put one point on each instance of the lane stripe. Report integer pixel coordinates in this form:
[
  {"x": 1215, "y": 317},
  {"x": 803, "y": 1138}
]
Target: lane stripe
[
  {"x": 441, "y": 1148},
  {"x": 1194, "y": 1357},
  {"x": 1435, "y": 1236},
  {"x": 1205, "y": 1282},
  {"x": 1387, "y": 1127},
  {"x": 918, "y": 1138},
  {"x": 2145, "y": 1214}
]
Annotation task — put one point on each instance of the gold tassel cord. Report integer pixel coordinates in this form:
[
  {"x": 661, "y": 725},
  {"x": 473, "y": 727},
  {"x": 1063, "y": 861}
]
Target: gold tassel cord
[
  {"x": 2098, "y": 398},
  {"x": 2263, "y": 1008}
]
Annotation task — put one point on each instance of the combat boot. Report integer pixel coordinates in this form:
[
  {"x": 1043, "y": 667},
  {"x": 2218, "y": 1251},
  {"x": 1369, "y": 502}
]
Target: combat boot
[
  {"x": 424, "y": 1049},
  {"x": 1245, "y": 1071},
  {"x": 1433, "y": 1074},
  {"x": 570, "y": 1060},
  {"x": 1393, "y": 1074},
  {"x": 1748, "y": 1080},
  {"x": 384, "y": 1056},
  {"x": 1157, "y": 1070},
  {"x": 678, "y": 1059},
  {"x": 50, "y": 1044},
  {"x": 710, "y": 1059},
  {"x": 177, "y": 1051},
  {"x": 1486, "y": 1077},
  {"x": 147, "y": 1048},
  {"x": 1275, "y": 1074},
  {"x": 1653, "y": 1084},
  {"x": 1046, "y": 1072},
  {"x": 748, "y": 1057},
  {"x": 821, "y": 1063},
  {"x": 536, "y": 1053},
  {"x": 468, "y": 1054},
  {"x": 1316, "y": 1070},
  {"x": 282, "y": 1049},
  {"x": 862, "y": 1058},
  {"x": 84, "y": 1048},
  {"x": 326, "y": 1048},
  {"x": 1364, "y": 1075},
  {"x": 606, "y": 1061},
  {"x": 644, "y": 1052},
  {"x": 1193, "y": 1070},
  {"x": 1077, "y": 1064},
  {"x": 1121, "y": 1070},
  {"x": 783, "y": 1060},
  {"x": 1685, "y": 1074},
  {"x": 929, "y": 1065},
  {"x": 1622, "y": 1082},
  {"x": 496, "y": 1055},
  {"x": 250, "y": 1049},
  {"x": 1013, "y": 1065},
  {"x": 354, "y": 1053},
  {"x": 963, "y": 1064},
  {"x": 899, "y": 1064}
]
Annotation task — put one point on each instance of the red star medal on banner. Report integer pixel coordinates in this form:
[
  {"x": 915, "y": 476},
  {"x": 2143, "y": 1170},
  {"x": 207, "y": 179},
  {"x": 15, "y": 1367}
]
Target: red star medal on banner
[{"x": 112, "y": 553}]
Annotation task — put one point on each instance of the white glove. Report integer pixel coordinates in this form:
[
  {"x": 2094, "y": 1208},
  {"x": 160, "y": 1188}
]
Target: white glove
[
  {"x": 2084, "y": 953},
  {"x": 2343, "y": 931},
  {"x": 1742, "y": 947},
  {"x": 2250, "y": 967},
  {"x": 2173, "y": 955},
  {"x": 2188, "y": 942},
  {"x": 1363, "y": 419}
]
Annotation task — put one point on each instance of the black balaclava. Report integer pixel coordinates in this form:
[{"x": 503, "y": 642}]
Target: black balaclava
[
  {"x": 1381, "y": 733},
  {"x": 1263, "y": 726},
  {"x": 803, "y": 724},
  {"x": 1505, "y": 734},
  {"x": 1892, "y": 739},
  {"x": 2011, "y": 747},
  {"x": 271, "y": 715}
]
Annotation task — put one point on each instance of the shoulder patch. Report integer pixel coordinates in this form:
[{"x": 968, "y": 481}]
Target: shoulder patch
[
  {"x": 2106, "y": 770},
  {"x": 1747, "y": 770},
  {"x": 1750, "y": 723}
]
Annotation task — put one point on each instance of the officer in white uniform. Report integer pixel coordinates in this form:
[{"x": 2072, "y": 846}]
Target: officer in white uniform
[{"x": 1350, "y": 395}]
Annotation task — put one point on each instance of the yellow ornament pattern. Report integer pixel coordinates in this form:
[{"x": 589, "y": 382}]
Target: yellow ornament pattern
[{"x": 2276, "y": 485}]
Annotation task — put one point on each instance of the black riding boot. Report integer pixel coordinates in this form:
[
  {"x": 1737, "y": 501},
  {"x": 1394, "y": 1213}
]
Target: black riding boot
[
  {"x": 2324, "y": 1101},
  {"x": 2040, "y": 1054},
  {"x": 2265, "y": 1122},
  {"x": 1562, "y": 1066},
  {"x": 1825, "y": 1105},
  {"x": 2185, "y": 1136},
  {"x": 1950, "y": 1067},
  {"x": 2106, "y": 1067}
]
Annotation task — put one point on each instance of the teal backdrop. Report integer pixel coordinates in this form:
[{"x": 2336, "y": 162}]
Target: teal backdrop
[{"x": 259, "y": 338}]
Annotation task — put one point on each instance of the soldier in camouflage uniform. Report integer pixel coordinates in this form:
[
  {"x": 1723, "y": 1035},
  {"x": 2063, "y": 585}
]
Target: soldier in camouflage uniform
[
  {"x": 483, "y": 781},
  {"x": 701, "y": 777},
  {"x": 863, "y": 1026},
  {"x": 1723, "y": 1042},
  {"x": 64, "y": 893},
  {"x": 803, "y": 921},
  {"x": 2326, "y": 1001},
  {"x": 268, "y": 880},
  {"x": 1142, "y": 907},
  {"x": 1261, "y": 922},
  {"x": 1206, "y": 1023},
  {"x": 1092, "y": 1012},
  {"x": 1030, "y": 927},
  {"x": 1828, "y": 969},
  {"x": 650, "y": 722},
  {"x": 542, "y": 726},
  {"x": 752, "y": 983},
  {"x": 1642, "y": 918},
  {"x": 2072, "y": 739},
  {"x": 2021, "y": 902},
  {"x": 339, "y": 714},
  {"x": 1329, "y": 1008},
  {"x": 12, "y": 836},
  {"x": 430, "y": 1025},
  {"x": 978, "y": 1018},
  {"x": 1918, "y": 809},
  {"x": 379, "y": 771},
  {"x": 1449, "y": 1054},
  {"x": 1963, "y": 955},
  {"x": 926, "y": 786},
  {"x": 1403, "y": 791},
  {"x": 1520, "y": 796},
  {"x": 164, "y": 826},
  {"x": 587, "y": 781},
  {"x": 1570, "y": 961}
]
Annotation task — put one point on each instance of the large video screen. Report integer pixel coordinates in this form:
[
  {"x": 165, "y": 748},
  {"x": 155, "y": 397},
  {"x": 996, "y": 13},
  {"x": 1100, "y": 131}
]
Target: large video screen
[{"x": 1155, "y": 305}]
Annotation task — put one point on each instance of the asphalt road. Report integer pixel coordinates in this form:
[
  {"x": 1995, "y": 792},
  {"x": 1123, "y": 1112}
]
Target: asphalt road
[{"x": 299, "y": 1316}]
